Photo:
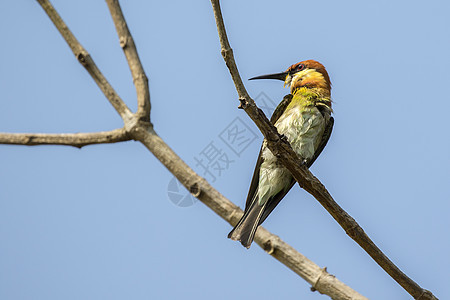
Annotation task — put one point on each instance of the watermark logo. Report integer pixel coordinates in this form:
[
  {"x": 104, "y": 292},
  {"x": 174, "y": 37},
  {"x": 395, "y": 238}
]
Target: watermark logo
[
  {"x": 178, "y": 194},
  {"x": 237, "y": 136},
  {"x": 215, "y": 158}
]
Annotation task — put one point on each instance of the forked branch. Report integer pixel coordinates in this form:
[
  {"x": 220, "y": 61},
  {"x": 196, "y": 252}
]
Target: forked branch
[
  {"x": 143, "y": 132},
  {"x": 84, "y": 58},
  {"x": 321, "y": 280}
]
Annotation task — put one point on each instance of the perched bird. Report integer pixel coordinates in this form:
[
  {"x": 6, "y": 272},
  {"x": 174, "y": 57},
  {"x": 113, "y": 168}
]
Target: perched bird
[{"x": 304, "y": 118}]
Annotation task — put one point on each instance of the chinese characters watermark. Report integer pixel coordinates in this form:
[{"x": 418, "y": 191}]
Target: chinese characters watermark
[
  {"x": 215, "y": 158},
  {"x": 237, "y": 136}
]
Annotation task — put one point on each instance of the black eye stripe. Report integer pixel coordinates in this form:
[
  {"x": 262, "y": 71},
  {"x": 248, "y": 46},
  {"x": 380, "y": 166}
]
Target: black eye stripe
[{"x": 298, "y": 68}]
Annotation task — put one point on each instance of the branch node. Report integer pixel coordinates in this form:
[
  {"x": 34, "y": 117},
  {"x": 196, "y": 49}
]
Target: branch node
[
  {"x": 322, "y": 273},
  {"x": 123, "y": 41},
  {"x": 243, "y": 103},
  {"x": 354, "y": 229},
  {"x": 195, "y": 190},
  {"x": 29, "y": 140},
  {"x": 269, "y": 247},
  {"x": 140, "y": 76},
  {"x": 284, "y": 138},
  {"x": 81, "y": 57},
  {"x": 133, "y": 124},
  {"x": 226, "y": 53},
  {"x": 426, "y": 294}
]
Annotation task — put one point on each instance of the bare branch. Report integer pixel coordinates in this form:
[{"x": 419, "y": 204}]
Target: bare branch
[
  {"x": 320, "y": 280},
  {"x": 268, "y": 130},
  {"x": 85, "y": 59},
  {"x": 137, "y": 71},
  {"x": 143, "y": 132},
  {"x": 66, "y": 139},
  {"x": 303, "y": 176}
]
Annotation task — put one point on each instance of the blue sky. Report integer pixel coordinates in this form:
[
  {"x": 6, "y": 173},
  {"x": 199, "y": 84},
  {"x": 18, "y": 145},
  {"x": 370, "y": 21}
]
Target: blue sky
[{"x": 97, "y": 223}]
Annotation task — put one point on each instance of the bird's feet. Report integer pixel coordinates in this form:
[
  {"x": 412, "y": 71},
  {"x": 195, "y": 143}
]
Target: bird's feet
[
  {"x": 283, "y": 137},
  {"x": 304, "y": 163}
]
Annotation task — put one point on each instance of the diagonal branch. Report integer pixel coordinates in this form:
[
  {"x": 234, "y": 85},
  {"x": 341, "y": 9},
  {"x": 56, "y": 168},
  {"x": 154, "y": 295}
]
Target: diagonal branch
[
  {"x": 282, "y": 150},
  {"x": 319, "y": 278},
  {"x": 143, "y": 131},
  {"x": 66, "y": 139},
  {"x": 85, "y": 59},
  {"x": 198, "y": 186},
  {"x": 137, "y": 71}
]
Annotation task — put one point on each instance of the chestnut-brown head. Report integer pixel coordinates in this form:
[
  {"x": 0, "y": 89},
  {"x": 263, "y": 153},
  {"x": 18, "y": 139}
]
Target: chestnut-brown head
[{"x": 308, "y": 73}]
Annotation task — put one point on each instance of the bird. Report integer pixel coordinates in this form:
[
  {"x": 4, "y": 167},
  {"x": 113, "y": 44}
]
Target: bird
[{"x": 304, "y": 118}]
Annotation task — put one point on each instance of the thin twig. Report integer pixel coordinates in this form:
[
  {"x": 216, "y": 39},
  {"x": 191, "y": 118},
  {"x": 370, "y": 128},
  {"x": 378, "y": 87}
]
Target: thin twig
[
  {"x": 66, "y": 139},
  {"x": 85, "y": 59},
  {"x": 137, "y": 71},
  {"x": 303, "y": 176}
]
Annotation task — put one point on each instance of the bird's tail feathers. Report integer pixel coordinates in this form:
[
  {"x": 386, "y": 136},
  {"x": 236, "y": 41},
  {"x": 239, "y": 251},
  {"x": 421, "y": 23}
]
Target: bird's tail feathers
[{"x": 246, "y": 227}]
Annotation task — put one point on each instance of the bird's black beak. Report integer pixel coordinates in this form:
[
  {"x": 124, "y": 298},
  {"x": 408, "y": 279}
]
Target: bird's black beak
[{"x": 279, "y": 76}]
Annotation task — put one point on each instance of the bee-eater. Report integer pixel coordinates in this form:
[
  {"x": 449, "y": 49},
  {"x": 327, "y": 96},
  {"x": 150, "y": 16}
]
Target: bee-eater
[{"x": 304, "y": 118}]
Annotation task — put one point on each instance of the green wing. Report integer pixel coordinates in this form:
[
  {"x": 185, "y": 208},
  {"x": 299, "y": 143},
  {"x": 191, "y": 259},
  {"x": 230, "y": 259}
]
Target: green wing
[
  {"x": 255, "y": 214},
  {"x": 281, "y": 108},
  {"x": 255, "y": 179},
  {"x": 275, "y": 200},
  {"x": 325, "y": 137}
]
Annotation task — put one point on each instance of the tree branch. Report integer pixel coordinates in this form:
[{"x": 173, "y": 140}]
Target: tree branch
[
  {"x": 137, "y": 71},
  {"x": 85, "y": 59},
  {"x": 198, "y": 186},
  {"x": 66, "y": 139},
  {"x": 319, "y": 278},
  {"x": 282, "y": 150}
]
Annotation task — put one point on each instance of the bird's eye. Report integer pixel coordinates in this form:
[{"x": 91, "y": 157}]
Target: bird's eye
[{"x": 300, "y": 67}]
